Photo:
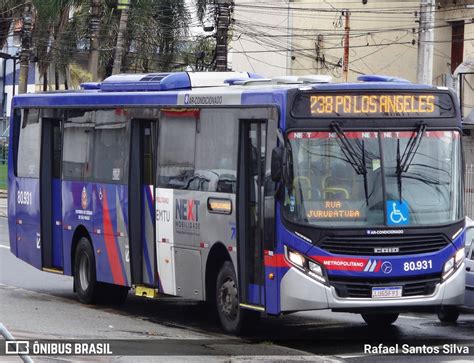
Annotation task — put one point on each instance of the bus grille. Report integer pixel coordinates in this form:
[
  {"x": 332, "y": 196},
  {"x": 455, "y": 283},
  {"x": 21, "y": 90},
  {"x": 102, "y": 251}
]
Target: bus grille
[
  {"x": 362, "y": 288},
  {"x": 366, "y": 245}
]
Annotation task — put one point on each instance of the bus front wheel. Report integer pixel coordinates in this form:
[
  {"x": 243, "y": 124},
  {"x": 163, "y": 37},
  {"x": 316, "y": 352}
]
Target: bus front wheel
[
  {"x": 448, "y": 314},
  {"x": 233, "y": 318},
  {"x": 382, "y": 319}
]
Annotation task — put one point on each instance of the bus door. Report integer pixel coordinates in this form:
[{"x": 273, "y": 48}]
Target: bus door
[
  {"x": 141, "y": 203},
  {"x": 27, "y": 208},
  {"x": 50, "y": 194},
  {"x": 250, "y": 209},
  {"x": 469, "y": 297}
]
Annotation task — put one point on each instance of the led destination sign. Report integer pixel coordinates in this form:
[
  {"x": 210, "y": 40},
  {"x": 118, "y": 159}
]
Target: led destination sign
[{"x": 373, "y": 105}]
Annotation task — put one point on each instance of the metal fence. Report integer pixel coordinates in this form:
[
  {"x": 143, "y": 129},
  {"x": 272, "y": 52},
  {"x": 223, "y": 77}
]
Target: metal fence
[
  {"x": 3, "y": 166},
  {"x": 3, "y": 174}
]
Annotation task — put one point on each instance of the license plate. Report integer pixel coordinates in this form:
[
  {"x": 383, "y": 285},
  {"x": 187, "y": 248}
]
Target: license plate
[{"x": 386, "y": 292}]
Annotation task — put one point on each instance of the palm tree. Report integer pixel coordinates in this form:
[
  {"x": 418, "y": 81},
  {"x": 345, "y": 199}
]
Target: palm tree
[
  {"x": 201, "y": 6},
  {"x": 52, "y": 17},
  {"x": 154, "y": 39},
  {"x": 120, "y": 36}
]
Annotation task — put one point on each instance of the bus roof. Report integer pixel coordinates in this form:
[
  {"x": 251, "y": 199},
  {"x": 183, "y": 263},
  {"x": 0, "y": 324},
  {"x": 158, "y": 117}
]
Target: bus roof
[{"x": 200, "y": 88}]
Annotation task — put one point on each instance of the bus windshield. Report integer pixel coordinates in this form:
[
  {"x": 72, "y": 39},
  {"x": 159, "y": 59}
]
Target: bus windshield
[{"x": 362, "y": 179}]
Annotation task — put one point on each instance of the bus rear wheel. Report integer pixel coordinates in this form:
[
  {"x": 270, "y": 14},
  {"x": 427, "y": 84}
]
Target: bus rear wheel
[
  {"x": 88, "y": 289},
  {"x": 85, "y": 283},
  {"x": 380, "y": 319},
  {"x": 233, "y": 318}
]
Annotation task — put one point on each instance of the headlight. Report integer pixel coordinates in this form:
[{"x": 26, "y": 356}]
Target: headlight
[
  {"x": 310, "y": 267},
  {"x": 453, "y": 263},
  {"x": 296, "y": 258},
  {"x": 448, "y": 266},
  {"x": 459, "y": 256}
]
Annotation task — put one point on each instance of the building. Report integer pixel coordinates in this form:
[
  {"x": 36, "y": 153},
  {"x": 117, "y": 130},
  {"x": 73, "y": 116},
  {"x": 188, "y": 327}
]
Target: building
[
  {"x": 307, "y": 36},
  {"x": 8, "y": 78},
  {"x": 259, "y": 39}
]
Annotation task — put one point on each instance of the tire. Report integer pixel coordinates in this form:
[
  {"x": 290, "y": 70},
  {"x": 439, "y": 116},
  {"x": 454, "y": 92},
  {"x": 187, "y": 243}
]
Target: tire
[
  {"x": 88, "y": 289},
  {"x": 380, "y": 320},
  {"x": 448, "y": 314},
  {"x": 232, "y": 317},
  {"x": 85, "y": 283}
]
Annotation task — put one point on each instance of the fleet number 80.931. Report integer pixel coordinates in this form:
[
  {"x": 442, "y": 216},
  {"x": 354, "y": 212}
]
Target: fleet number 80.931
[{"x": 418, "y": 265}]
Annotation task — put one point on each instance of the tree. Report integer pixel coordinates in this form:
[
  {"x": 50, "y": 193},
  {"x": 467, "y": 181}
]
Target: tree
[
  {"x": 95, "y": 15},
  {"x": 125, "y": 6},
  {"x": 155, "y": 38},
  {"x": 51, "y": 20},
  {"x": 201, "y": 6}
]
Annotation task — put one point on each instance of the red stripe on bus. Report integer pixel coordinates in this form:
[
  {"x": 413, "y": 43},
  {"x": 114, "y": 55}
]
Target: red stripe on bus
[
  {"x": 110, "y": 245},
  {"x": 277, "y": 260},
  {"x": 341, "y": 263}
]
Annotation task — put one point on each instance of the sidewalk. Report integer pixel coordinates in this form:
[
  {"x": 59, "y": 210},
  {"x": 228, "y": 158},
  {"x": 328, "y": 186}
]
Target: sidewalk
[{"x": 3, "y": 203}]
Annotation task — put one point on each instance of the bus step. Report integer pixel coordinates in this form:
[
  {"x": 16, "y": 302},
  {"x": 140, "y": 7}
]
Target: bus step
[
  {"x": 53, "y": 270},
  {"x": 146, "y": 291}
]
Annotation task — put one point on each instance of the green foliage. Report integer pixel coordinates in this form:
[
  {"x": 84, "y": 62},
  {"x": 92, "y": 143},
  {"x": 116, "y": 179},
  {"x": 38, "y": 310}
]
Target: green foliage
[
  {"x": 199, "y": 55},
  {"x": 78, "y": 75},
  {"x": 157, "y": 36}
]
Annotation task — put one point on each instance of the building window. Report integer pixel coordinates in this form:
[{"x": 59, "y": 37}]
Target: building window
[{"x": 457, "y": 44}]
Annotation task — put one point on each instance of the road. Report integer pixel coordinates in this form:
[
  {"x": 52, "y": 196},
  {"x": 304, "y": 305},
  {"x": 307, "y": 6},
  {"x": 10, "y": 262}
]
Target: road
[{"x": 39, "y": 305}]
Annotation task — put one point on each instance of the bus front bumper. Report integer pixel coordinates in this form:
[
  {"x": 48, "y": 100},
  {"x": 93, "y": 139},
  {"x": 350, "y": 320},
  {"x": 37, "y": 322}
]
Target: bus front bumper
[{"x": 300, "y": 292}]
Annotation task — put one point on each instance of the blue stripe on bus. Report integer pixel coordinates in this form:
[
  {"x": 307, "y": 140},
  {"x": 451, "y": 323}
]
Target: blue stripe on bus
[{"x": 148, "y": 204}]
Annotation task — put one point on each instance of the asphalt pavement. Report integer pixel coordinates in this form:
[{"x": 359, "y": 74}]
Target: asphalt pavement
[{"x": 40, "y": 305}]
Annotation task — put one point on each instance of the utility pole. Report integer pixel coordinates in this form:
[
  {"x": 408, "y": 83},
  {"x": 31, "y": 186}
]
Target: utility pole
[
  {"x": 424, "y": 69},
  {"x": 223, "y": 22},
  {"x": 124, "y": 5},
  {"x": 289, "y": 41},
  {"x": 347, "y": 29},
  {"x": 95, "y": 11},
  {"x": 25, "y": 48}
]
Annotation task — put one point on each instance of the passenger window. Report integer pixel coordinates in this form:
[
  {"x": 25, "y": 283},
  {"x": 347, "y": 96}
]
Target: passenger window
[
  {"x": 177, "y": 136},
  {"x": 29, "y": 145},
  {"x": 469, "y": 237},
  {"x": 216, "y": 152},
  {"x": 111, "y": 146},
  {"x": 78, "y": 139}
]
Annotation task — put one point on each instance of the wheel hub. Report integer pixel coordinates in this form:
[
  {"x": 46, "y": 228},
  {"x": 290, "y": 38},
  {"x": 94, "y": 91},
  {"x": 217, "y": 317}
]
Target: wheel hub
[
  {"x": 228, "y": 298},
  {"x": 84, "y": 272}
]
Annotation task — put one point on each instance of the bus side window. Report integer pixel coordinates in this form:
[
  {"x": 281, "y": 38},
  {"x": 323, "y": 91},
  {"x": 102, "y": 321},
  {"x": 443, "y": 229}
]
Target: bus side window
[
  {"x": 78, "y": 138},
  {"x": 216, "y": 151},
  {"x": 29, "y": 145},
  {"x": 111, "y": 146},
  {"x": 177, "y": 139}
]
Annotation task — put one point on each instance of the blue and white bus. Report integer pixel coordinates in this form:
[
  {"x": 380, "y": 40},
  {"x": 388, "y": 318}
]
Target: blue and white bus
[{"x": 257, "y": 195}]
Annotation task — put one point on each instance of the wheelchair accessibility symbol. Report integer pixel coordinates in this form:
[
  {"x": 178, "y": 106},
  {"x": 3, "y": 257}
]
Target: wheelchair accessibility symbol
[{"x": 397, "y": 213}]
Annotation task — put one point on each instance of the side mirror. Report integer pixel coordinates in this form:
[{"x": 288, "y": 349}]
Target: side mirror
[{"x": 277, "y": 163}]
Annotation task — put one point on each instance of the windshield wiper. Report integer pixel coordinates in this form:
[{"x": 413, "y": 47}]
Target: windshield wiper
[
  {"x": 357, "y": 161},
  {"x": 404, "y": 161}
]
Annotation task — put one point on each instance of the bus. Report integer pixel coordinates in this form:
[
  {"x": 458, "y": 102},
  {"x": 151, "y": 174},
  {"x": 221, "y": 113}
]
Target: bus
[{"x": 260, "y": 196}]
